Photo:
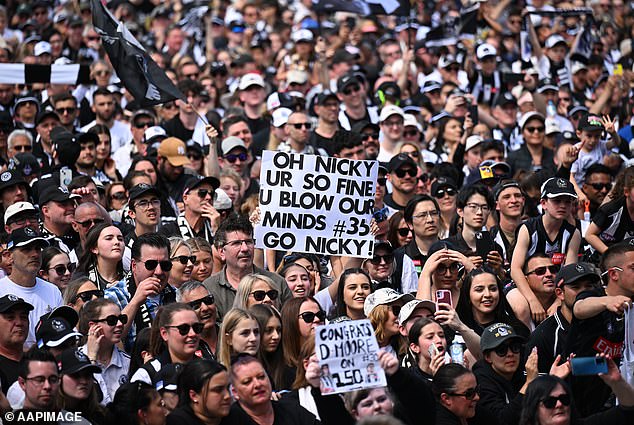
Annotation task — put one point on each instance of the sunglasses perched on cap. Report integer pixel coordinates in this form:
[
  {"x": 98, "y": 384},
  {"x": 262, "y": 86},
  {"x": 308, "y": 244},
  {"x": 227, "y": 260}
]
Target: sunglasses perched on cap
[
  {"x": 261, "y": 294},
  {"x": 242, "y": 156},
  {"x": 540, "y": 271},
  {"x": 185, "y": 327},
  {"x": 208, "y": 300},
  {"x": 113, "y": 319},
  {"x": 309, "y": 316},
  {"x": 88, "y": 295},
  {"x": 166, "y": 265}
]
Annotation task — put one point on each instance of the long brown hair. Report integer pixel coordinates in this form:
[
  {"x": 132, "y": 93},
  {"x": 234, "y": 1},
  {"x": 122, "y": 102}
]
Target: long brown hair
[
  {"x": 291, "y": 336},
  {"x": 624, "y": 181},
  {"x": 306, "y": 352},
  {"x": 163, "y": 318}
]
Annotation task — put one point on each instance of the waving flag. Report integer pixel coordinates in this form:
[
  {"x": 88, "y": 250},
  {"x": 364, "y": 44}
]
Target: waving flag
[
  {"x": 364, "y": 7},
  {"x": 140, "y": 75}
]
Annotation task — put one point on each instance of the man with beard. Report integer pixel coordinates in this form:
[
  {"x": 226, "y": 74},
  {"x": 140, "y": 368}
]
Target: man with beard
[
  {"x": 67, "y": 110},
  {"x": 200, "y": 299},
  {"x": 86, "y": 162},
  {"x": 596, "y": 186},
  {"x": 402, "y": 174},
  {"x": 235, "y": 245},
  {"x": 327, "y": 110},
  {"x": 509, "y": 200},
  {"x": 145, "y": 289},
  {"x": 199, "y": 219},
  {"x": 369, "y": 136},
  {"x": 352, "y": 94},
  {"x": 540, "y": 274},
  {"x": 57, "y": 208},
  {"x": 103, "y": 105},
  {"x": 14, "y": 328},
  {"x": 26, "y": 248},
  {"x": 171, "y": 160}
]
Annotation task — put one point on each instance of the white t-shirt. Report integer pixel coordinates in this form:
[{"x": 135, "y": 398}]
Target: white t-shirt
[
  {"x": 120, "y": 134},
  {"x": 43, "y": 296}
]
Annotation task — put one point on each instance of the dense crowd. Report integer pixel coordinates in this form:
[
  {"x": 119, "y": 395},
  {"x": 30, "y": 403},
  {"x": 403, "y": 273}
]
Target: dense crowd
[{"x": 132, "y": 291}]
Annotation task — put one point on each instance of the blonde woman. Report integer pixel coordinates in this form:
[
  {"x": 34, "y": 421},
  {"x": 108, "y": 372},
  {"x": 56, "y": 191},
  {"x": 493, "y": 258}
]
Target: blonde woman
[
  {"x": 256, "y": 289},
  {"x": 203, "y": 266},
  {"x": 240, "y": 333},
  {"x": 182, "y": 262}
]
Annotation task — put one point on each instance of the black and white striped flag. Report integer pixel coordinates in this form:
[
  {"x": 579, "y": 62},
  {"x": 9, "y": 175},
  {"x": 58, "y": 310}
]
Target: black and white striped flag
[
  {"x": 20, "y": 73},
  {"x": 140, "y": 75},
  {"x": 364, "y": 7}
]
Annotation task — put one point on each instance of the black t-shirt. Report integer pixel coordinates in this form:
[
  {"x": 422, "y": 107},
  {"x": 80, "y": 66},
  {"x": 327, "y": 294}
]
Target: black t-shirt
[
  {"x": 9, "y": 370},
  {"x": 603, "y": 333},
  {"x": 257, "y": 125},
  {"x": 175, "y": 127},
  {"x": 550, "y": 338},
  {"x": 320, "y": 142},
  {"x": 614, "y": 221}
]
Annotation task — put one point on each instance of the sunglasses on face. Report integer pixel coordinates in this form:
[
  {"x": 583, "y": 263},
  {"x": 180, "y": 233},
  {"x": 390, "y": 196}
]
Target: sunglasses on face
[
  {"x": 309, "y": 316},
  {"x": 534, "y": 129},
  {"x": 169, "y": 106},
  {"x": 184, "y": 259},
  {"x": 60, "y": 269},
  {"x": 202, "y": 193},
  {"x": 381, "y": 181},
  {"x": 453, "y": 268},
  {"x": 403, "y": 232},
  {"x": 396, "y": 309},
  {"x": 23, "y": 148},
  {"x": 102, "y": 73},
  {"x": 400, "y": 173},
  {"x": 194, "y": 157},
  {"x": 208, "y": 300},
  {"x": 376, "y": 260},
  {"x": 166, "y": 265},
  {"x": 540, "y": 271},
  {"x": 185, "y": 327},
  {"x": 119, "y": 196},
  {"x": 233, "y": 158},
  {"x": 112, "y": 319},
  {"x": 441, "y": 193},
  {"x": 550, "y": 402},
  {"x": 503, "y": 349},
  {"x": 68, "y": 111},
  {"x": 299, "y": 125},
  {"x": 411, "y": 133},
  {"x": 351, "y": 89},
  {"x": 261, "y": 294},
  {"x": 143, "y": 124},
  {"x": 367, "y": 136},
  {"x": 601, "y": 186},
  {"x": 91, "y": 222},
  {"x": 469, "y": 394},
  {"x": 88, "y": 295}
]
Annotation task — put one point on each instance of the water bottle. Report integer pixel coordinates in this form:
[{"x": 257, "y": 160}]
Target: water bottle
[
  {"x": 457, "y": 353},
  {"x": 551, "y": 109}
]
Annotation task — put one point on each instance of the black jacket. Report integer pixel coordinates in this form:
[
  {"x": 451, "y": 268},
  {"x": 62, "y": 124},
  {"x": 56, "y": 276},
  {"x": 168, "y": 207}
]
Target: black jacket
[
  {"x": 286, "y": 413},
  {"x": 498, "y": 395},
  {"x": 183, "y": 415},
  {"x": 482, "y": 417}
]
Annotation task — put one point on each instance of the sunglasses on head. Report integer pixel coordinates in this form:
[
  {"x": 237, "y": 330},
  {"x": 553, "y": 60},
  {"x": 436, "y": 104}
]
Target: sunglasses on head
[
  {"x": 403, "y": 232},
  {"x": 184, "y": 259},
  {"x": 233, "y": 158},
  {"x": 113, "y": 319},
  {"x": 309, "y": 316},
  {"x": 550, "y": 402},
  {"x": 261, "y": 294},
  {"x": 60, "y": 269},
  {"x": 441, "y": 193},
  {"x": 400, "y": 173},
  {"x": 208, "y": 300},
  {"x": 540, "y": 271},
  {"x": 87, "y": 295},
  {"x": 90, "y": 222},
  {"x": 166, "y": 265},
  {"x": 503, "y": 349},
  {"x": 185, "y": 327},
  {"x": 376, "y": 260},
  {"x": 367, "y": 136}
]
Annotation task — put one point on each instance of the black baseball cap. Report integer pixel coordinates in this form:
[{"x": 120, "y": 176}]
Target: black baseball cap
[
  {"x": 72, "y": 360},
  {"x": 56, "y": 193},
  {"x": 399, "y": 160},
  {"x": 324, "y": 96},
  {"x": 362, "y": 125},
  {"x": 194, "y": 182},
  {"x": 10, "y": 301},
  {"x": 347, "y": 80},
  {"x": 590, "y": 122},
  {"x": 502, "y": 185},
  {"x": 11, "y": 178},
  {"x": 556, "y": 186},
  {"x": 506, "y": 99},
  {"x": 495, "y": 335},
  {"x": 53, "y": 332},
  {"x": 570, "y": 273},
  {"x": 140, "y": 190},
  {"x": 46, "y": 113},
  {"x": 24, "y": 237}
]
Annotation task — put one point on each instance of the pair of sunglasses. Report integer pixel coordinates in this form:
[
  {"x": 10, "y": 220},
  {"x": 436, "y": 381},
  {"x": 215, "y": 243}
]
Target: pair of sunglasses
[
  {"x": 196, "y": 304},
  {"x": 185, "y": 327},
  {"x": 309, "y": 316},
  {"x": 87, "y": 295},
  {"x": 112, "y": 319},
  {"x": 61, "y": 269},
  {"x": 166, "y": 265},
  {"x": 184, "y": 259},
  {"x": 261, "y": 294}
]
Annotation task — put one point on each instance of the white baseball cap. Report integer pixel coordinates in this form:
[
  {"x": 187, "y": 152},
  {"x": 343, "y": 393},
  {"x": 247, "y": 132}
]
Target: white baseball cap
[
  {"x": 472, "y": 142},
  {"x": 485, "y": 50},
  {"x": 251, "y": 79},
  {"x": 390, "y": 110},
  {"x": 383, "y": 296},
  {"x": 411, "y": 121},
  {"x": 41, "y": 48},
  {"x": 280, "y": 116},
  {"x": 222, "y": 200},
  {"x": 409, "y": 307},
  {"x": 17, "y": 208}
]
